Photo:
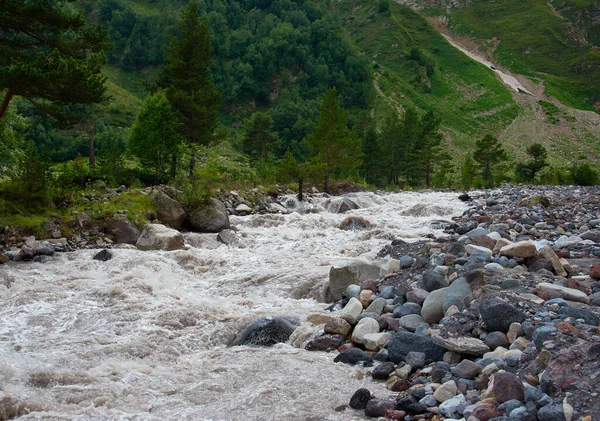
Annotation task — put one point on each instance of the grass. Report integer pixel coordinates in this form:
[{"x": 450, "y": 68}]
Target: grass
[
  {"x": 463, "y": 93},
  {"x": 538, "y": 41}
]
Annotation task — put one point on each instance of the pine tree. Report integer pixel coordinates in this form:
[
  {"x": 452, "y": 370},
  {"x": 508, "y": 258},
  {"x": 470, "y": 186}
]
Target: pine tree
[
  {"x": 488, "y": 154},
  {"x": 331, "y": 143},
  {"x": 49, "y": 55},
  {"x": 427, "y": 148},
  {"x": 186, "y": 79},
  {"x": 259, "y": 141}
]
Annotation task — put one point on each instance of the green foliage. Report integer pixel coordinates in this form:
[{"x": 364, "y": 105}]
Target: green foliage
[
  {"x": 384, "y": 6},
  {"x": 49, "y": 54},
  {"x": 331, "y": 143},
  {"x": 489, "y": 154},
  {"x": 259, "y": 140},
  {"x": 12, "y": 126},
  {"x": 154, "y": 137},
  {"x": 468, "y": 172},
  {"x": 552, "y": 112},
  {"x": 527, "y": 171},
  {"x": 584, "y": 175}
]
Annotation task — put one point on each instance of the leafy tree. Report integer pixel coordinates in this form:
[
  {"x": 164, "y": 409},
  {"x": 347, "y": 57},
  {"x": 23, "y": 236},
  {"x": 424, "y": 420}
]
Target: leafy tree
[
  {"x": 331, "y": 143},
  {"x": 489, "y": 154},
  {"x": 154, "y": 136},
  {"x": 259, "y": 141},
  {"x": 584, "y": 175},
  {"x": 527, "y": 171},
  {"x": 186, "y": 78},
  {"x": 49, "y": 55},
  {"x": 291, "y": 170}
]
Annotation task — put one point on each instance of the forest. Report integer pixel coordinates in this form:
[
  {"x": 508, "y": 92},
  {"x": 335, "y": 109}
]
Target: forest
[{"x": 221, "y": 94}]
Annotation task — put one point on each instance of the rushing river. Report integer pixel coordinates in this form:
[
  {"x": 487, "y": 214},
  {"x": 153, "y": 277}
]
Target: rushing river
[{"x": 145, "y": 336}]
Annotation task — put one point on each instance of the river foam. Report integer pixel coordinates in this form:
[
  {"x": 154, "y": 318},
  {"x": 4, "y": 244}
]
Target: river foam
[{"x": 146, "y": 335}]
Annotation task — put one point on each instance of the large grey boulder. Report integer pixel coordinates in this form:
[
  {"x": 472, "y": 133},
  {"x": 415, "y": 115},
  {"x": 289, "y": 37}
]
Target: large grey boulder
[
  {"x": 169, "y": 211},
  {"x": 122, "y": 230},
  {"x": 499, "y": 314},
  {"x": 340, "y": 205},
  {"x": 159, "y": 237},
  {"x": 350, "y": 273},
  {"x": 433, "y": 306},
  {"x": 267, "y": 331},
  {"x": 211, "y": 217},
  {"x": 404, "y": 342},
  {"x": 458, "y": 294}
]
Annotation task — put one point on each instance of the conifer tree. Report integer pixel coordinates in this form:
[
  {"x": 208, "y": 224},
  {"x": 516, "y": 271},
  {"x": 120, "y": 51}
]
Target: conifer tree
[
  {"x": 187, "y": 81},
  {"x": 331, "y": 143},
  {"x": 259, "y": 140},
  {"x": 488, "y": 154},
  {"x": 49, "y": 55}
]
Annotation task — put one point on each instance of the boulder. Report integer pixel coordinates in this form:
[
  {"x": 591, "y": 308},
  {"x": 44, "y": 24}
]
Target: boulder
[
  {"x": 505, "y": 386},
  {"x": 340, "y": 205},
  {"x": 364, "y": 327},
  {"x": 433, "y": 306},
  {"x": 521, "y": 249},
  {"x": 267, "y": 331},
  {"x": 159, "y": 237},
  {"x": 548, "y": 253},
  {"x": 231, "y": 238},
  {"x": 549, "y": 291},
  {"x": 352, "y": 272},
  {"x": 433, "y": 280},
  {"x": 122, "y": 230},
  {"x": 103, "y": 256},
  {"x": 211, "y": 217},
  {"x": 404, "y": 342},
  {"x": 169, "y": 211}
]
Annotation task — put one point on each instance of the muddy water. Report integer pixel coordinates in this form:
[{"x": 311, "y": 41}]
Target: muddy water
[{"x": 146, "y": 335}]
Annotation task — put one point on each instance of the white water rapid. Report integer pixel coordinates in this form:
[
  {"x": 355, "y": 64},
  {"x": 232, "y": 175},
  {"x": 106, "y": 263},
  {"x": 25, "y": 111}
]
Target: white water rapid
[{"x": 145, "y": 336}]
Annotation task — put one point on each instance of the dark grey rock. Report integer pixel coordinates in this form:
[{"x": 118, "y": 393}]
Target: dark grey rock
[
  {"x": 354, "y": 356},
  {"x": 458, "y": 294},
  {"x": 378, "y": 407},
  {"x": 496, "y": 339},
  {"x": 404, "y": 342},
  {"x": 433, "y": 280},
  {"x": 498, "y": 314},
  {"x": 325, "y": 342},
  {"x": 406, "y": 309},
  {"x": 267, "y": 331},
  {"x": 383, "y": 371},
  {"x": 415, "y": 359},
  {"x": 103, "y": 255},
  {"x": 543, "y": 333},
  {"x": 580, "y": 313},
  {"x": 211, "y": 217},
  {"x": 551, "y": 412},
  {"x": 45, "y": 250},
  {"x": 360, "y": 399}
]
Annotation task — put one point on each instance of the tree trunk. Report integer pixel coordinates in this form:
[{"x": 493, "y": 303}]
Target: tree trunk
[
  {"x": 92, "y": 144},
  {"x": 9, "y": 95}
]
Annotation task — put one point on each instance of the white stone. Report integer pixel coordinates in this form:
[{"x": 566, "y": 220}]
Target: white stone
[
  {"x": 364, "y": 327},
  {"x": 566, "y": 293},
  {"x": 159, "y": 237},
  {"x": 376, "y": 341},
  {"x": 352, "y": 311},
  {"x": 472, "y": 248},
  {"x": 243, "y": 208}
]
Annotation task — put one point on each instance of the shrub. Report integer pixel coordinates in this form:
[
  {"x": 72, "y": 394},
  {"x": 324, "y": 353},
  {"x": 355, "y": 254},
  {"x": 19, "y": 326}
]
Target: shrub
[{"x": 584, "y": 175}]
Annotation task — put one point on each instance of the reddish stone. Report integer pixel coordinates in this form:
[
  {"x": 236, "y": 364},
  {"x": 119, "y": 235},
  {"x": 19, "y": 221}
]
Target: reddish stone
[
  {"x": 484, "y": 241},
  {"x": 400, "y": 386},
  {"x": 563, "y": 253},
  {"x": 595, "y": 271},
  {"x": 394, "y": 414},
  {"x": 486, "y": 412},
  {"x": 506, "y": 386},
  {"x": 370, "y": 284},
  {"x": 344, "y": 347},
  {"x": 484, "y": 218},
  {"x": 565, "y": 327}
]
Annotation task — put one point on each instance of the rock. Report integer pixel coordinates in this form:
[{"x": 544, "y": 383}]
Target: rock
[
  {"x": 383, "y": 371},
  {"x": 452, "y": 407},
  {"x": 359, "y": 399},
  {"x": 473, "y": 249},
  {"x": 521, "y": 249},
  {"x": 352, "y": 272},
  {"x": 103, "y": 256},
  {"x": 340, "y": 205},
  {"x": 354, "y": 223},
  {"x": 486, "y": 412},
  {"x": 464, "y": 345},
  {"x": 122, "y": 230},
  {"x": 580, "y": 313},
  {"x": 352, "y": 311},
  {"x": 433, "y": 280},
  {"x": 404, "y": 342},
  {"x": 592, "y": 236},
  {"x": 594, "y": 271},
  {"x": 338, "y": 326},
  {"x": 415, "y": 359},
  {"x": 169, "y": 211},
  {"x": 325, "y": 342},
  {"x": 417, "y": 296},
  {"x": 433, "y": 306},
  {"x": 376, "y": 341},
  {"x": 379, "y": 407},
  {"x": 411, "y": 322},
  {"x": 514, "y": 331},
  {"x": 406, "y": 261},
  {"x": 549, "y": 254},
  {"x": 243, "y": 209},
  {"x": 496, "y": 339},
  {"x": 458, "y": 294},
  {"x": 231, "y": 238},
  {"x": 354, "y": 356},
  {"x": 505, "y": 386},
  {"x": 267, "y": 331},
  {"x": 559, "y": 291},
  {"x": 464, "y": 197},
  {"x": 446, "y": 391},
  {"x": 406, "y": 309},
  {"x": 364, "y": 327},
  {"x": 211, "y": 217},
  {"x": 551, "y": 412},
  {"x": 498, "y": 314},
  {"x": 377, "y": 306},
  {"x": 565, "y": 241},
  {"x": 159, "y": 237},
  {"x": 466, "y": 369},
  {"x": 543, "y": 333}
]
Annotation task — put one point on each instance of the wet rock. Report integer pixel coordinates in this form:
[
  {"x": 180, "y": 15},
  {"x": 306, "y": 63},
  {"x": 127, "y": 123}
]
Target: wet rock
[
  {"x": 404, "y": 342},
  {"x": 355, "y": 223},
  {"x": 464, "y": 197},
  {"x": 267, "y": 331},
  {"x": 351, "y": 273},
  {"x": 354, "y": 356},
  {"x": 231, "y": 238},
  {"x": 340, "y": 205},
  {"x": 243, "y": 209},
  {"x": 498, "y": 314},
  {"x": 325, "y": 342},
  {"x": 383, "y": 371},
  {"x": 360, "y": 398},
  {"x": 159, "y": 237},
  {"x": 337, "y": 326},
  {"x": 505, "y": 386},
  {"x": 378, "y": 407},
  {"x": 211, "y": 217},
  {"x": 121, "y": 230},
  {"x": 103, "y": 255},
  {"x": 521, "y": 249}
]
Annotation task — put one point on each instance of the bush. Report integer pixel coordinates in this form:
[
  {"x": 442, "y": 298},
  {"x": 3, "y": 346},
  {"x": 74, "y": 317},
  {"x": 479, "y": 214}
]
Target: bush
[{"x": 584, "y": 175}]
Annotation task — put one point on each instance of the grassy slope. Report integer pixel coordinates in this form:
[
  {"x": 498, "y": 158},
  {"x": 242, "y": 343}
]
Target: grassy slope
[
  {"x": 466, "y": 95},
  {"x": 537, "y": 39}
]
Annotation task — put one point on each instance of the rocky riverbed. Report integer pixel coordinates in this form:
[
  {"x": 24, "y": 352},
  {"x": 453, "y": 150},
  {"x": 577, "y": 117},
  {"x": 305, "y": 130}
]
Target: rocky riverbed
[{"x": 337, "y": 308}]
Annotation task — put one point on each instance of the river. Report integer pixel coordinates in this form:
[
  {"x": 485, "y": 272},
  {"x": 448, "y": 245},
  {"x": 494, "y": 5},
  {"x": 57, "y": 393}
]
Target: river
[{"x": 145, "y": 336}]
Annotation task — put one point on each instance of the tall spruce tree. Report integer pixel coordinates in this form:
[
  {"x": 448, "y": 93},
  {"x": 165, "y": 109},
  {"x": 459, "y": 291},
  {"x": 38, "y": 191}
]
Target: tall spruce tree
[
  {"x": 49, "y": 55},
  {"x": 427, "y": 149},
  {"x": 488, "y": 154},
  {"x": 186, "y": 79},
  {"x": 331, "y": 143}
]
